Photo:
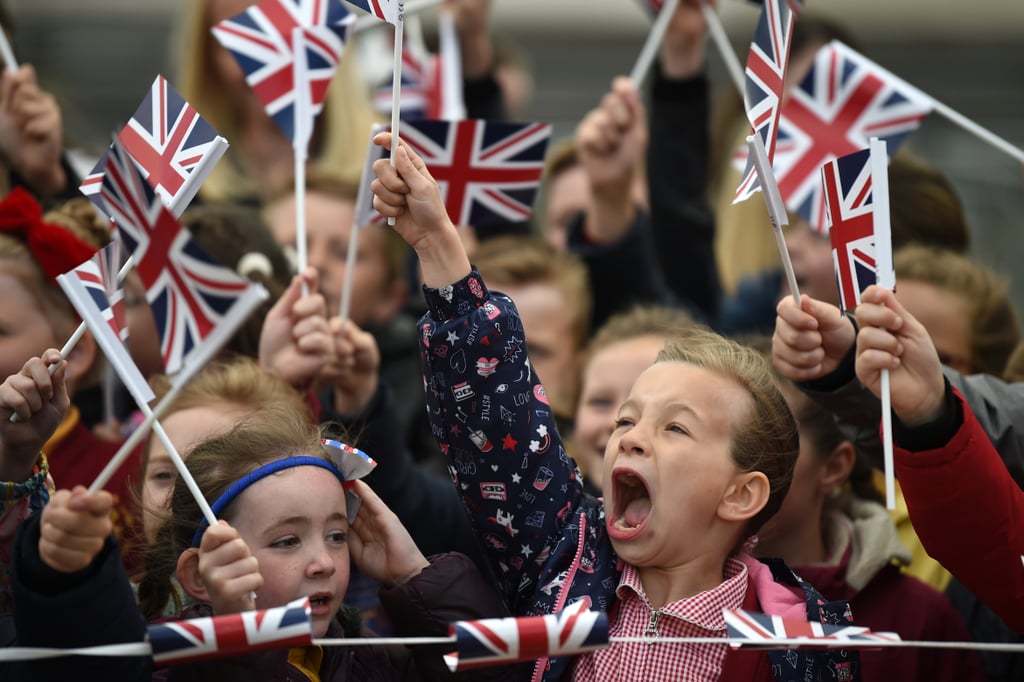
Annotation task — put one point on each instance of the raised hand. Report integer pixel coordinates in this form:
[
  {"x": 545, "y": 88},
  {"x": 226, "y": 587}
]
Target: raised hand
[
  {"x": 810, "y": 341},
  {"x": 356, "y": 369},
  {"x": 682, "y": 50},
  {"x": 40, "y": 401},
  {"x": 74, "y": 527},
  {"x": 31, "y": 131},
  {"x": 228, "y": 570},
  {"x": 891, "y": 338},
  {"x": 296, "y": 341},
  {"x": 380, "y": 545}
]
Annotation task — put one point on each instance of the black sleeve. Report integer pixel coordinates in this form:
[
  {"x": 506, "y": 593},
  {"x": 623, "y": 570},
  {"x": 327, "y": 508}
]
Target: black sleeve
[
  {"x": 484, "y": 99},
  {"x": 91, "y": 607},
  {"x": 683, "y": 224}
]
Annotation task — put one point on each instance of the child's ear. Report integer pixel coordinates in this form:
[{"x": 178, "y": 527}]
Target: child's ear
[
  {"x": 80, "y": 360},
  {"x": 745, "y": 497},
  {"x": 188, "y": 575},
  {"x": 838, "y": 467}
]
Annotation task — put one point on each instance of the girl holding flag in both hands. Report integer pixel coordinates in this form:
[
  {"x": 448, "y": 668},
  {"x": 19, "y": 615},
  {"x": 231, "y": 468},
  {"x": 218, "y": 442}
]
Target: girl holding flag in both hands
[{"x": 702, "y": 454}]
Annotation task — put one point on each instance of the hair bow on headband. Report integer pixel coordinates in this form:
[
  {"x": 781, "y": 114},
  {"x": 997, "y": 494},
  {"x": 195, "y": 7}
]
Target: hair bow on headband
[
  {"x": 353, "y": 464},
  {"x": 56, "y": 249}
]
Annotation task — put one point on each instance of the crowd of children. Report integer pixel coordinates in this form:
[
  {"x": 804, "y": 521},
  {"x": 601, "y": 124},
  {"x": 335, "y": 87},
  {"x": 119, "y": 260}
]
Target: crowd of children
[{"x": 582, "y": 414}]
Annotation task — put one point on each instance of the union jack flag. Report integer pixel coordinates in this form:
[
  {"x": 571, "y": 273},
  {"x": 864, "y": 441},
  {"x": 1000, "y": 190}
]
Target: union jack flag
[
  {"x": 420, "y": 81},
  {"x": 494, "y": 641},
  {"x": 93, "y": 290},
  {"x": 391, "y": 11},
  {"x": 172, "y": 144},
  {"x": 197, "y": 302},
  {"x": 760, "y": 628},
  {"x": 289, "y": 51},
  {"x": 765, "y": 76},
  {"x": 488, "y": 171},
  {"x": 844, "y": 100},
  {"x": 198, "y": 639},
  {"x": 857, "y": 211}
]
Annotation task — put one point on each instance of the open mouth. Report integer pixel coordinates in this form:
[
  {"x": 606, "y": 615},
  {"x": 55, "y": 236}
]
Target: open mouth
[{"x": 632, "y": 502}]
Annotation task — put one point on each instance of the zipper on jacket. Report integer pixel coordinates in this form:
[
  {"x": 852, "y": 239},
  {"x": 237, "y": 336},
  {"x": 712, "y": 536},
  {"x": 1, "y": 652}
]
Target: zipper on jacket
[{"x": 651, "y": 633}]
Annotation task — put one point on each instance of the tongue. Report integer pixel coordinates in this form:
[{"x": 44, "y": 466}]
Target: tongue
[{"x": 637, "y": 511}]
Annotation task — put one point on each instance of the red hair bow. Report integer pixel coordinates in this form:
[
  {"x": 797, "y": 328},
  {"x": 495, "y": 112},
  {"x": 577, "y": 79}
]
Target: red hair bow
[{"x": 55, "y": 248}]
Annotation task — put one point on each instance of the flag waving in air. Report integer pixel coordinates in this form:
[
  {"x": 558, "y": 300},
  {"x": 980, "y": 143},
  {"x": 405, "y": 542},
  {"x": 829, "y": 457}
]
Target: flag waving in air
[
  {"x": 856, "y": 191},
  {"x": 488, "y": 171},
  {"x": 172, "y": 144},
  {"x": 765, "y": 79},
  {"x": 844, "y": 100},
  {"x": 289, "y": 70},
  {"x": 93, "y": 290},
  {"x": 391, "y": 11},
  {"x": 197, "y": 303}
]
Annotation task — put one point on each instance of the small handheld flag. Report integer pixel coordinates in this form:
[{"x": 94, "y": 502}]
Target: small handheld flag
[
  {"x": 493, "y": 641},
  {"x": 764, "y": 630}
]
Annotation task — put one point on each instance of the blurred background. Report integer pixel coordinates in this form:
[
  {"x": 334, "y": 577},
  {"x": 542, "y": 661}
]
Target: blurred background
[{"x": 99, "y": 57}]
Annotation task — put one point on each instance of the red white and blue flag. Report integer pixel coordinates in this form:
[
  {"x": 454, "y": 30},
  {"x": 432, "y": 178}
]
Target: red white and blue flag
[
  {"x": 767, "y": 62},
  {"x": 762, "y": 629},
  {"x": 197, "y": 639},
  {"x": 856, "y": 193},
  {"x": 93, "y": 290},
  {"x": 289, "y": 70},
  {"x": 391, "y": 11},
  {"x": 488, "y": 171},
  {"x": 499, "y": 641},
  {"x": 172, "y": 144},
  {"x": 844, "y": 100},
  {"x": 197, "y": 302}
]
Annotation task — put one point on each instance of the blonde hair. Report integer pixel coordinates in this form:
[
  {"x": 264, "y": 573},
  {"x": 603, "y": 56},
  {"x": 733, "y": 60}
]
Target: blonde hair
[
  {"x": 768, "y": 440},
  {"x": 992, "y": 322},
  {"x": 343, "y": 126}
]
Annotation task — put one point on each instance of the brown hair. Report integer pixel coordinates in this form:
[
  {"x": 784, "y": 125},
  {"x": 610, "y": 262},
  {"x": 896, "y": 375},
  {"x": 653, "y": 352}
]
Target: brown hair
[
  {"x": 926, "y": 209},
  {"x": 992, "y": 321},
  {"x": 521, "y": 260},
  {"x": 768, "y": 440},
  {"x": 273, "y": 433},
  {"x": 342, "y": 128}
]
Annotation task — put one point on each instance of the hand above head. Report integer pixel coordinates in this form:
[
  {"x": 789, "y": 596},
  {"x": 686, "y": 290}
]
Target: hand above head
[
  {"x": 891, "y": 338},
  {"x": 381, "y": 546},
  {"x": 611, "y": 141},
  {"x": 40, "y": 401},
  {"x": 228, "y": 570},
  {"x": 408, "y": 193},
  {"x": 31, "y": 131},
  {"x": 811, "y": 341},
  {"x": 356, "y": 369},
  {"x": 296, "y": 341},
  {"x": 74, "y": 527},
  {"x": 682, "y": 50},
  {"x": 472, "y": 22}
]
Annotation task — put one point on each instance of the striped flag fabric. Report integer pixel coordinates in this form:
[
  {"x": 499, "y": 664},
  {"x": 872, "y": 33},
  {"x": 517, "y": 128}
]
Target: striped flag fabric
[
  {"x": 94, "y": 292},
  {"x": 856, "y": 193},
  {"x": 289, "y": 51},
  {"x": 488, "y": 171},
  {"x": 762, "y": 629},
  {"x": 496, "y": 641},
  {"x": 197, "y": 302},
  {"x": 197, "y": 639},
  {"x": 767, "y": 62},
  {"x": 391, "y": 11},
  {"x": 173, "y": 145}
]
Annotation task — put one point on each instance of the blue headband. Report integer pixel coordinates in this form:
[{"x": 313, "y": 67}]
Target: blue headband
[{"x": 262, "y": 472}]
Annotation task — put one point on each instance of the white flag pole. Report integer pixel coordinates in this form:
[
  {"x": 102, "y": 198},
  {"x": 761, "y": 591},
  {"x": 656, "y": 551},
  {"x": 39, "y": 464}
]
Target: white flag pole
[
  {"x": 10, "y": 63},
  {"x": 721, "y": 40},
  {"x": 776, "y": 208},
  {"x": 654, "y": 38},
  {"x": 396, "y": 91},
  {"x": 300, "y": 144}
]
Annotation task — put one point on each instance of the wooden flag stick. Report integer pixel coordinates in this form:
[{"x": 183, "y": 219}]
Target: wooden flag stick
[
  {"x": 654, "y": 38},
  {"x": 396, "y": 93},
  {"x": 718, "y": 35},
  {"x": 776, "y": 208}
]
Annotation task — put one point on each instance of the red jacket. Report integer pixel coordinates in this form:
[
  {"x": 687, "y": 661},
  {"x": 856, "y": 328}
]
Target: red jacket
[{"x": 969, "y": 515}]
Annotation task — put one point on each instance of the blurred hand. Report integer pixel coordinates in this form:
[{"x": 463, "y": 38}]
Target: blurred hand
[
  {"x": 31, "y": 131},
  {"x": 810, "y": 341},
  {"x": 40, "y": 401},
  {"x": 356, "y": 368},
  {"x": 296, "y": 341},
  {"x": 74, "y": 527}
]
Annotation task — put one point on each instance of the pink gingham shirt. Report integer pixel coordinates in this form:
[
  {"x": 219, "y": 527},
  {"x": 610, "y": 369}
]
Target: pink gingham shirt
[{"x": 696, "y": 616}]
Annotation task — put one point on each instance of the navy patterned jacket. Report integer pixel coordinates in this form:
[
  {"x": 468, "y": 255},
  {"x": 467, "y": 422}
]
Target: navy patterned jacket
[{"x": 545, "y": 538}]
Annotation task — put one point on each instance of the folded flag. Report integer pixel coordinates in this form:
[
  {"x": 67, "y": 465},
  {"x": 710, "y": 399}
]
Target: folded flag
[
  {"x": 94, "y": 292},
  {"x": 767, "y": 62},
  {"x": 197, "y": 302},
  {"x": 290, "y": 71},
  {"x": 197, "y": 639},
  {"x": 760, "y": 629},
  {"x": 488, "y": 171},
  {"x": 494, "y": 641},
  {"x": 843, "y": 101},
  {"x": 173, "y": 145},
  {"x": 856, "y": 191},
  {"x": 391, "y": 11}
]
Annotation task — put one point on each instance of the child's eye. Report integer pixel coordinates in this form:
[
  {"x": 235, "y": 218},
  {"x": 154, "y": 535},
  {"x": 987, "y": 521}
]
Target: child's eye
[
  {"x": 676, "y": 428},
  {"x": 162, "y": 476},
  {"x": 598, "y": 402},
  {"x": 623, "y": 421},
  {"x": 339, "y": 537},
  {"x": 285, "y": 542}
]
